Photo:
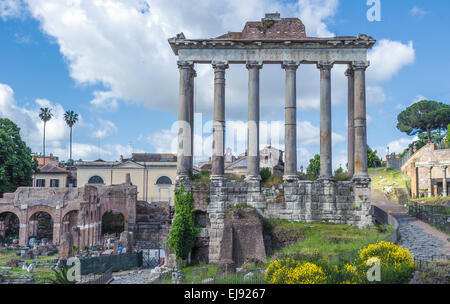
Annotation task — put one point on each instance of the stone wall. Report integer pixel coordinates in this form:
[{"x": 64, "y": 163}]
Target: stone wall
[{"x": 304, "y": 201}]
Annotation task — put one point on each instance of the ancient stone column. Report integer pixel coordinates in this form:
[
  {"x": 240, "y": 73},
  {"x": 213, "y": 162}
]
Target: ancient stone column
[
  {"x": 191, "y": 115},
  {"x": 444, "y": 181},
  {"x": 218, "y": 165},
  {"x": 361, "y": 168},
  {"x": 253, "y": 121},
  {"x": 290, "y": 125},
  {"x": 430, "y": 182},
  {"x": 325, "y": 120},
  {"x": 351, "y": 122},
  {"x": 184, "y": 133}
]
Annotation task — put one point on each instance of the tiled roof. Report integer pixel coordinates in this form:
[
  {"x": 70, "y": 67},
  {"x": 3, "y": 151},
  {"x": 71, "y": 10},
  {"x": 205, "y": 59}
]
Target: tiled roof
[
  {"x": 153, "y": 157},
  {"x": 48, "y": 168}
]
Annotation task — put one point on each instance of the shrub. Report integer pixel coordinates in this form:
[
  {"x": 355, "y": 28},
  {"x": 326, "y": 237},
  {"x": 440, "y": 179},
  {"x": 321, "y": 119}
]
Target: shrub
[
  {"x": 291, "y": 271},
  {"x": 265, "y": 174},
  {"x": 397, "y": 263},
  {"x": 184, "y": 231}
]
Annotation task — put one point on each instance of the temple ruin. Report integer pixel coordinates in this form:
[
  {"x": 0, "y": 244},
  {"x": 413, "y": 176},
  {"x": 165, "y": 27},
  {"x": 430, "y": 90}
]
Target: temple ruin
[{"x": 283, "y": 41}]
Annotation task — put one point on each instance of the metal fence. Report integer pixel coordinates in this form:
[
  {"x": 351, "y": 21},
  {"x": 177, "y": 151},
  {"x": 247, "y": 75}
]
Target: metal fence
[
  {"x": 103, "y": 278},
  {"x": 423, "y": 261},
  {"x": 438, "y": 216}
]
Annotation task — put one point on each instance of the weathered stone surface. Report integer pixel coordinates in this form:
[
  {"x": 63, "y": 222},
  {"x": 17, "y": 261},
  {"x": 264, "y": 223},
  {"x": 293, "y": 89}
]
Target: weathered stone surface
[
  {"x": 66, "y": 246},
  {"x": 242, "y": 237}
]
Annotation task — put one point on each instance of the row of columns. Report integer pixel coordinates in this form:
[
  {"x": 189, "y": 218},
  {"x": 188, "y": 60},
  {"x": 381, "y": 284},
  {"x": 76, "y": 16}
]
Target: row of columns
[{"x": 357, "y": 134}]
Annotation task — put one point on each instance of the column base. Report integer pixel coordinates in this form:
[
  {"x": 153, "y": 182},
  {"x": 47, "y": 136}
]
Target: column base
[
  {"x": 290, "y": 178},
  {"x": 217, "y": 177},
  {"x": 326, "y": 178}
]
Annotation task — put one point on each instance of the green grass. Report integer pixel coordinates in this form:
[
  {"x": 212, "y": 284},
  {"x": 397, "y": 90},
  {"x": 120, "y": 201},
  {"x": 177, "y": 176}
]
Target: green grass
[
  {"x": 41, "y": 273},
  {"x": 329, "y": 239},
  {"x": 433, "y": 200},
  {"x": 188, "y": 273},
  {"x": 382, "y": 177}
]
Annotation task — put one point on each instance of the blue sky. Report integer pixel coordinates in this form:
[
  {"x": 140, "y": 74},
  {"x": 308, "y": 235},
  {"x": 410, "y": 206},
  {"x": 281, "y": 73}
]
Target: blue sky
[{"x": 110, "y": 62}]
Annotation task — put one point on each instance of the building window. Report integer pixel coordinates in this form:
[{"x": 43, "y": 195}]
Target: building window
[
  {"x": 96, "y": 180},
  {"x": 40, "y": 183},
  {"x": 164, "y": 180},
  {"x": 54, "y": 183}
]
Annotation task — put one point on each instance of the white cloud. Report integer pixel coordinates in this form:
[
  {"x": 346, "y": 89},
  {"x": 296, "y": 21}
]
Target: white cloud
[
  {"x": 396, "y": 146},
  {"x": 417, "y": 11},
  {"x": 123, "y": 44},
  {"x": 418, "y": 98},
  {"x": 106, "y": 129},
  {"x": 11, "y": 8},
  {"x": 387, "y": 58}
]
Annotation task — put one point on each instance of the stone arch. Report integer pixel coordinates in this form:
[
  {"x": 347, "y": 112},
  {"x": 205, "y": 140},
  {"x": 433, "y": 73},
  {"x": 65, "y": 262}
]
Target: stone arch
[
  {"x": 9, "y": 226},
  {"x": 113, "y": 222},
  {"x": 41, "y": 224},
  {"x": 70, "y": 220}
]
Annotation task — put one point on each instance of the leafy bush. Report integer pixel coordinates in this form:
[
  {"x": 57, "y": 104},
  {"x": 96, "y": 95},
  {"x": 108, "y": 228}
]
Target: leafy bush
[
  {"x": 184, "y": 231},
  {"x": 265, "y": 174},
  {"x": 396, "y": 266},
  {"x": 291, "y": 271}
]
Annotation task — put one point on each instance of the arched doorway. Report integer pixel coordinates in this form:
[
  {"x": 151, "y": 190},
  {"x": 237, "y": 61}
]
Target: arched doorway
[
  {"x": 9, "y": 227},
  {"x": 41, "y": 226},
  {"x": 113, "y": 223},
  {"x": 164, "y": 184},
  {"x": 70, "y": 220}
]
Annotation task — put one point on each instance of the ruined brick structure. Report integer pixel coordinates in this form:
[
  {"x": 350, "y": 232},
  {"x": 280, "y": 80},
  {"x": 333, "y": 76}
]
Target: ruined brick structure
[{"x": 79, "y": 211}]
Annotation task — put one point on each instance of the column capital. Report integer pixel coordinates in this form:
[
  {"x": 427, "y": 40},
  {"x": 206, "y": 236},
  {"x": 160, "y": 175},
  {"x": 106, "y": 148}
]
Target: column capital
[
  {"x": 360, "y": 65},
  {"x": 290, "y": 65},
  {"x": 349, "y": 72},
  {"x": 220, "y": 65},
  {"x": 254, "y": 65},
  {"x": 185, "y": 64},
  {"x": 193, "y": 73},
  {"x": 325, "y": 65}
]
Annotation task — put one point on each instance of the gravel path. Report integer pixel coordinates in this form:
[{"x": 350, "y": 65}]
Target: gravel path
[{"x": 133, "y": 277}]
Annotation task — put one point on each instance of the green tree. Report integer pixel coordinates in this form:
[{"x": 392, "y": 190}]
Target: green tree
[
  {"x": 314, "y": 166},
  {"x": 373, "y": 161},
  {"x": 448, "y": 134},
  {"x": 16, "y": 164},
  {"x": 70, "y": 118},
  {"x": 265, "y": 174},
  {"x": 45, "y": 115},
  {"x": 184, "y": 230},
  {"x": 423, "y": 116},
  {"x": 422, "y": 141}
]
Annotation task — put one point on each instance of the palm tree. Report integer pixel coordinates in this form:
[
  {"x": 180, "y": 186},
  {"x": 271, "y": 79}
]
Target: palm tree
[
  {"x": 71, "y": 118},
  {"x": 45, "y": 115}
]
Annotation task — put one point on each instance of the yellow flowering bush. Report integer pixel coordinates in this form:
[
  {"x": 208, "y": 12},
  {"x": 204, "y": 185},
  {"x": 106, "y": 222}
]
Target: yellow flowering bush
[
  {"x": 388, "y": 253},
  {"x": 291, "y": 271}
]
